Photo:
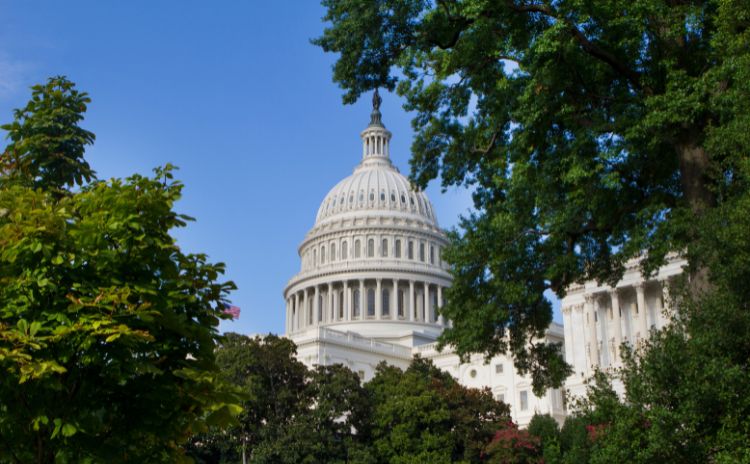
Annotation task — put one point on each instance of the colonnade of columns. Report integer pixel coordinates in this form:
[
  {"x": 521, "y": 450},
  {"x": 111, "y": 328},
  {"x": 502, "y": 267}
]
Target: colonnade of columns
[
  {"x": 364, "y": 299},
  {"x": 611, "y": 317}
]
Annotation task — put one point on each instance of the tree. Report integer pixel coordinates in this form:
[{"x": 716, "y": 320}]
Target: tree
[
  {"x": 513, "y": 446},
  {"x": 291, "y": 414},
  {"x": 591, "y": 133},
  {"x": 424, "y": 415},
  {"x": 107, "y": 329},
  {"x": 547, "y": 430}
]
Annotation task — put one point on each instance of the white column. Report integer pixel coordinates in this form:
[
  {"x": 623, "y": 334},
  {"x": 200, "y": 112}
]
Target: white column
[
  {"x": 346, "y": 302},
  {"x": 615, "y": 302},
  {"x": 640, "y": 301},
  {"x": 412, "y": 298},
  {"x": 335, "y": 305},
  {"x": 297, "y": 311},
  {"x": 569, "y": 340},
  {"x": 316, "y": 305},
  {"x": 378, "y": 299},
  {"x": 441, "y": 319},
  {"x": 362, "y": 307},
  {"x": 667, "y": 304},
  {"x": 427, "y": 315},
  {"x": 590, "y": 311},
  {"x": 394, "y": 301},
  {"x": 307, "y": 308}
]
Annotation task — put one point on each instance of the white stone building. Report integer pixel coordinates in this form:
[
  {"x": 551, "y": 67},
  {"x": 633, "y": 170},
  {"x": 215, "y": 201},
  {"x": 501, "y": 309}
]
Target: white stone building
[
  {"x": 372, "y": 278},
  {"x": 609, "y": 316}
]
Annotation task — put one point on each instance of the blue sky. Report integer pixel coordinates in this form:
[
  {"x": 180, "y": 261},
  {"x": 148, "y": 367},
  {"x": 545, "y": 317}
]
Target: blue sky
[{"x": 234, "y": 94}]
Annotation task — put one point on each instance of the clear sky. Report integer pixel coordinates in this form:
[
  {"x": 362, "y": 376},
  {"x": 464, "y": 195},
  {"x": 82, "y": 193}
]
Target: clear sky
[{"x": 234, "y": 94}]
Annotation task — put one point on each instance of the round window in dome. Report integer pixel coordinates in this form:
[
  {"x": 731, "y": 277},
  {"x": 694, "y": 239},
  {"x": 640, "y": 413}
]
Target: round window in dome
[{"x": 473, "y": 373}]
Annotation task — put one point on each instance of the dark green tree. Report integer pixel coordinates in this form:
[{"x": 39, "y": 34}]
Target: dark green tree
[
  {"x": 590, "y": 132},
  {"x": 424, "y": 415},
  {"x": 291, "y": 414},
  {"x": 107, "y": 328},
  {"x": 547, "y": 430}
]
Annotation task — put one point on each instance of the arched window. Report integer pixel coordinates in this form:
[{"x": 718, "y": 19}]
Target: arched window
[
  {"x": 370, "y": 302},
  {"x": 355, "y": 303},
  {"x": 315, "y": 257},
  {"x": 333, "y": 252},
  {"x": 386, "y": 302},
  {"x": 384, "y": 248},
  {"x": 344, "y": 250},
  {"x": 370, "y": 248},
  {"x": 322, "y": 254},
  {"x": 432, "y": 254},
  {"x": 397, "y": 248},
  {"x": 401, "y": 296},
  {"x": 410, "y": 251},
  {"x": 382, "y": 197},
  {"x": 421, "y": 252},
  {"x": 356, "y": 249}
]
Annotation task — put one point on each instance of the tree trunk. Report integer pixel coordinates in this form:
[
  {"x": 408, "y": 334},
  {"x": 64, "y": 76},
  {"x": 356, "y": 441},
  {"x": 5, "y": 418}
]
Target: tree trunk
[{"x": 694, "y": 164}]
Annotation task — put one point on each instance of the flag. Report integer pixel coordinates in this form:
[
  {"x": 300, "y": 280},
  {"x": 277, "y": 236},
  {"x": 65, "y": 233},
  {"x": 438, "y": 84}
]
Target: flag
[{"x": 232, "y": 310}]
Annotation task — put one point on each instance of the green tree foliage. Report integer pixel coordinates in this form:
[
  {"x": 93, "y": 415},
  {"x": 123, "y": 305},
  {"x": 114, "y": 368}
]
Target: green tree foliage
[
  {"x": 591, "y": 133},
  {"x": 107, "y": 329},
  {"x": 47, "y": 144},
  {"x": 291, "y": 414},
  {"x": 423, "y": 415},
  {"x": 510, "y": 445},
  {"x": 547, "y": 430}
]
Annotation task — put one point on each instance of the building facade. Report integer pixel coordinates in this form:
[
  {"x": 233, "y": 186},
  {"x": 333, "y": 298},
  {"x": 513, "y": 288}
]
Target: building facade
[
  {"x": 598, "y": 319},
  {"x": 372, "y": 280}
]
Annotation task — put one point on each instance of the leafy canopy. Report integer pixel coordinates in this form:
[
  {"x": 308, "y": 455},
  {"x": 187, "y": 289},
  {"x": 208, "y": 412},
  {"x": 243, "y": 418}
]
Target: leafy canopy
[
  {"x": 590, "y": 132},
  {"x": 107, "y": 328}
]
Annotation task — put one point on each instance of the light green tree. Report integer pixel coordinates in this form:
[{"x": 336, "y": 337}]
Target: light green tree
[{"x": 107, "y": 328}]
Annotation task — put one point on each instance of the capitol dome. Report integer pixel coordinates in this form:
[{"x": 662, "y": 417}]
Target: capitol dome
[{"x": 371, "y": 264}]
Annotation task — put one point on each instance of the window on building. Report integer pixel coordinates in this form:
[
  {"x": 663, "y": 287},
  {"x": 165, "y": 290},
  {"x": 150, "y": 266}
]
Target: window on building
[
  {"x": 500, "y": 397},
  {"x": 524, "y": 400},
  {"x": 315, "y": 257},
  {"x": 401, "y": 296},
  {"x": 361, "y": 375},
  {"x": 344, "y": 250},
  {"x": 320, "y": 308},
  {"x": 397, "y": 248},
  {"x": 384, "y": 248},
  {"x": 382, "y": 196},
  {"x": 370, "y": 302},
  {"x": 386, "y": 302},
  {"x": 372, "y": 196},
  {"x": 355, "y": 303},
  {"x": 361, "y": 197},
  {"x": 403, "y": 198},
  {"x": 498, "y": 368},
  {"x": 432, "y": 254},
  {"x": 421, "y": 252},
  {"x": 393, "y": 197},
  {"x": 370, "y": 248},
  {"x": 410, "y": 251},
  {"x": 333, "y": 252},
  {"x": 473, "y": 373},
  {"x": 357, "y": 252},
  {"x": 322, "y": 255}
]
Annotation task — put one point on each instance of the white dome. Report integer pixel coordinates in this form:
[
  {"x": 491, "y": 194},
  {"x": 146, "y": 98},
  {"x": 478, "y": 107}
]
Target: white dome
[
  {"x": 375, "y": 187},
  {"x": 372, "y": 262}
]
